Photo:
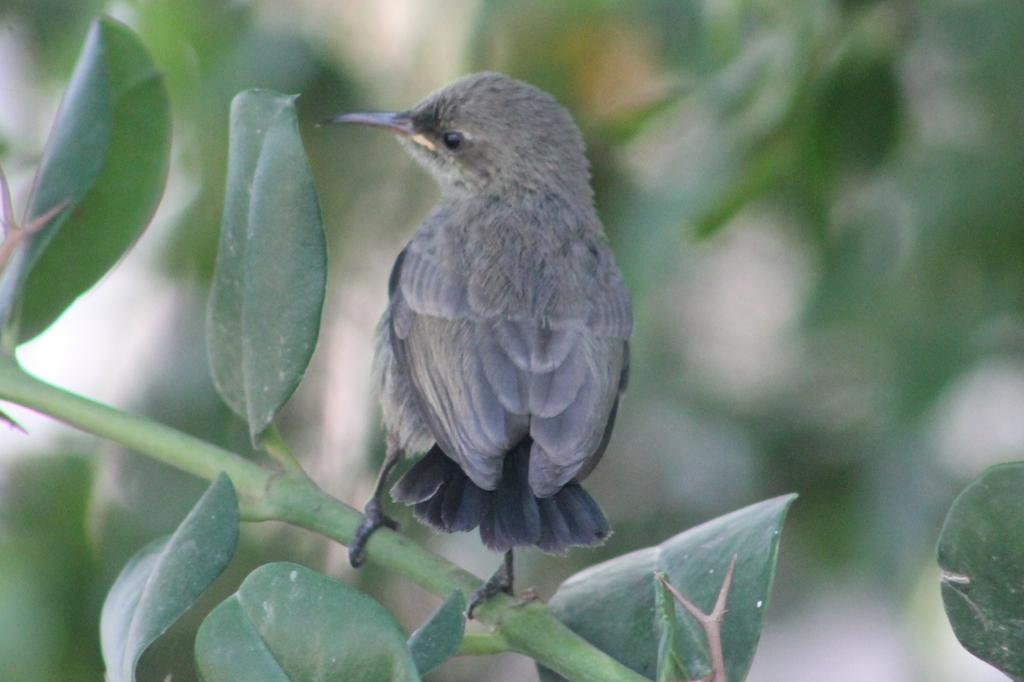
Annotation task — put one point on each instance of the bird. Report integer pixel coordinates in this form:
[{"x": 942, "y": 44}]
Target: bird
[{"x": 504, "y": 347}]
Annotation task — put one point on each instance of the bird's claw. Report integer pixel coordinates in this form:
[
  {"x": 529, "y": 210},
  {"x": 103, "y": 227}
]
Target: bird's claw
[
  {"x": 373, "y": 518},
  {"x": 500, "y": 582},
  {"x": 490, "y": 588}
]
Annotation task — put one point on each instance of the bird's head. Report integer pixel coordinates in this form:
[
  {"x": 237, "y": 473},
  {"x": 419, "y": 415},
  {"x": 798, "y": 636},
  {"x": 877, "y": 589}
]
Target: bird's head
[{"x": 490, "y": 134}]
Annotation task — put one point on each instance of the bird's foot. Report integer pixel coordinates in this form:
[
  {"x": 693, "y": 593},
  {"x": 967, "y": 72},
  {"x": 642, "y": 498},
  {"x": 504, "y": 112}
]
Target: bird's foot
[
  {"x": 490, "y": 588},
  {"x": 373, "y": 518},
  {"x": 500, "y": 582}
]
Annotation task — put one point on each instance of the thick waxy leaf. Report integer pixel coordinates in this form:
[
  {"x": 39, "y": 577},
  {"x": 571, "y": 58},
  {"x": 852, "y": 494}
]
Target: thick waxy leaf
[
  {"x": 287, "y": 622},
  {"x": 615, "y": 605},
  {"x": 268, "y": 289},
  {"x": 439, "y": 637},
  {"x": 981, "y": 553},
  {"x": 106, "y": 162},
  {"x": 669, "y": 667},
  {"x": 166, "y": 577}
]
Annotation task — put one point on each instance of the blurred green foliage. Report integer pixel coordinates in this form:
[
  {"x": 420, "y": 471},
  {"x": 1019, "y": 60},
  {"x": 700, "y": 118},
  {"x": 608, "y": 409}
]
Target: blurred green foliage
[
  {"x": 818, "y": 206},
  {"x": 95, "y": 169}
]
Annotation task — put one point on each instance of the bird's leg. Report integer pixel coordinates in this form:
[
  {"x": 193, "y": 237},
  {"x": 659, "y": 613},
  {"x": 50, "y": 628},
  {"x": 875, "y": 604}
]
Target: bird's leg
[
  {"x": 373, "y": 513},
  {"x": 501, "y": 581}
]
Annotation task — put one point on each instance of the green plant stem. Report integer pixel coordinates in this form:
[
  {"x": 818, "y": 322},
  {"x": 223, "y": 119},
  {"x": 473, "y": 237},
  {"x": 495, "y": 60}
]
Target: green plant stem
[
  {"x": 275, "y": 446},
  {"x": 482, "y": 644},
  {"x": 143, "y": 435},
  {"x": 299, "y": 502},
  {"x": 527, "y": 628}
]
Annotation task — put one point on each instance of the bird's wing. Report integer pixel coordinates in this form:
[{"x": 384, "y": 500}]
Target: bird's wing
[
  {"x": 435, "y": 342},
  {"x": 485, "y": 382},
  {"x": 569, "y": 441},
  {"x": 611, "y": 314},
  {"x": 572, "y": 394}
]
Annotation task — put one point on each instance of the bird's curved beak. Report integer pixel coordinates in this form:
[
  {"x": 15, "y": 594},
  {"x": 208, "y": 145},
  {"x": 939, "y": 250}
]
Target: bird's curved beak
[{"x": 395, "y": 122}]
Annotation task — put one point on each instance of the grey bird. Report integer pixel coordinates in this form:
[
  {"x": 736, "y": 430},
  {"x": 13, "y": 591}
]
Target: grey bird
[{"x": 505, "y": 344}]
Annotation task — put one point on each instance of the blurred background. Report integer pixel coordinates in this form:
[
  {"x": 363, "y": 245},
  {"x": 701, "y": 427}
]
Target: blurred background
[{"x": 818, "y": 206}]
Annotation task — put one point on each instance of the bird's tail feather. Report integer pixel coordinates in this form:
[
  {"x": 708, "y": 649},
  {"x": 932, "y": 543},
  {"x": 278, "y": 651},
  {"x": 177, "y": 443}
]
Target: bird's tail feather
[{"x": 509, "y": 516}]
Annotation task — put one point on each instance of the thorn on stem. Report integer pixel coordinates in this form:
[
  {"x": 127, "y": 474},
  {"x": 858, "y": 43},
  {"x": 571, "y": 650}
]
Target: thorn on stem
[
  {"x": 711, "y": 623},
  {"x": 7, "y": 210},
  {"x": 7, "y": 419},
  {"x": 12, "y": 233},
  {"x": 40, "y": 221}
]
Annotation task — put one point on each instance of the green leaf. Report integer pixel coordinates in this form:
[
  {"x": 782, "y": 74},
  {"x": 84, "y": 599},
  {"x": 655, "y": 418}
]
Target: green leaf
[
  {"x": 264, "y": 312},
  {"x": 439, "y": 637},
  {"x": 107, "y": 158},
  {"x": 669, "y": 667},
  {"x": 166, "y": 577},
  {"x": 614, "y": 605},
  {"x": 287, "y": 622},
  {"x": 981, "y": 553}
]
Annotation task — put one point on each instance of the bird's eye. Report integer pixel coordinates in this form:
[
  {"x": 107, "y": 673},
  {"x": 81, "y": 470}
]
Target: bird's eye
[{"x": 452, "y": 139}]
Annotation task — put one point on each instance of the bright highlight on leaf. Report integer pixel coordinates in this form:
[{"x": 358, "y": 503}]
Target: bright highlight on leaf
[
  {"x": 268, "y": 291},
  {"x": 166, "y": 577},
  {"x": 287, "y": 622},
  {"x": 96, "y": 188}
]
